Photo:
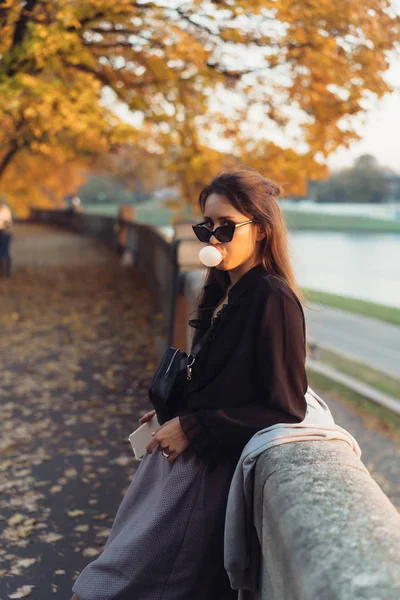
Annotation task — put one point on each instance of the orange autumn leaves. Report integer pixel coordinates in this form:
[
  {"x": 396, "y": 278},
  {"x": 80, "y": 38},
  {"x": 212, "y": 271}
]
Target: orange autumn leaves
[{"x": 305, "y": 67}]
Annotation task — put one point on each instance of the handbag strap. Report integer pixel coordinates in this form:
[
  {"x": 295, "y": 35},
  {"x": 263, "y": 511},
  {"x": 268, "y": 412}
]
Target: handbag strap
[
  {"x": 206, "y": 335},
  {"x": 192, "y": 356},
  {"x": 201, "y": 341},
  {"x": 199, "y": 344}
]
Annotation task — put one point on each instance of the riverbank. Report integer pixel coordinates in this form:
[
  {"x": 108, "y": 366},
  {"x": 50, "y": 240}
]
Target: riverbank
[
  {"x": 303, "y": 221},
  {"x": 155, "y": 213},
  {"x": 382, "y": 312}
]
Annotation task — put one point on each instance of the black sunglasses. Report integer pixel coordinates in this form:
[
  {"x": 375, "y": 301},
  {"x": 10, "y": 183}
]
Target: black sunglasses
[{"x": 223, "y": 233}]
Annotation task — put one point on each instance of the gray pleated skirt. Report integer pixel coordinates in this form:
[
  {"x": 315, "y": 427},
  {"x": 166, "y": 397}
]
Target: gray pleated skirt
[{"x": 166, "y": 542}]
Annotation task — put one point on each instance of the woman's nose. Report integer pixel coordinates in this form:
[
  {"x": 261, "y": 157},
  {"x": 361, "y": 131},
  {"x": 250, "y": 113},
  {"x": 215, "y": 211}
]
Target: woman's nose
[{"x": 213, "y": 240}]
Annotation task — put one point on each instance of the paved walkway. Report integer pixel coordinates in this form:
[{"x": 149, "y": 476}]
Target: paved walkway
[
  {"x": 368, "y": 340},
  {"x": 76, "y": 360}
]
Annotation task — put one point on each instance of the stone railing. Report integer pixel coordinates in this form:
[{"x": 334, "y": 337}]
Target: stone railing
[
  {"x": 326, "y": 528},
  {"x": 103, "y": 228}
]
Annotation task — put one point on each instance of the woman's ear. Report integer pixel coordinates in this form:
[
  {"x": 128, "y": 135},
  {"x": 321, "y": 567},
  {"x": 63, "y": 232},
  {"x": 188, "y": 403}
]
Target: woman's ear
[{"x": 261, "y": 233}]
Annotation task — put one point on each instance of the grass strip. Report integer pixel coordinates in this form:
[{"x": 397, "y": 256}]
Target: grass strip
[
  {"x": 302, "y": 220},
  {"x": 390, "y": 314}
]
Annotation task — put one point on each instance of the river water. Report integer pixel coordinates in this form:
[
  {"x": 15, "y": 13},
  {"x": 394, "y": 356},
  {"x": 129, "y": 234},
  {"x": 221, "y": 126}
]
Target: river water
[
  {"x": 356, "y": 264},
  {"x": 360, "y": 265}
]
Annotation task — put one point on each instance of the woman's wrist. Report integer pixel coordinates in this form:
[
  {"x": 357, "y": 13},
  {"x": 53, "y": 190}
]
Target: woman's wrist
[{"x": 203, "y": 444}]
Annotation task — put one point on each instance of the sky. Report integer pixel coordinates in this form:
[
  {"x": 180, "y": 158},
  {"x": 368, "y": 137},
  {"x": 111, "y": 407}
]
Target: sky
[{"x": 381, "y": 132}]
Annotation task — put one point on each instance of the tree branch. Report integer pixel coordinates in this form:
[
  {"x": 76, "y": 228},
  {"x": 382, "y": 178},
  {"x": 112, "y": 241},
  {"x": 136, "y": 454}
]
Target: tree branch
[
  {"x": 8, "y": 157},
  {"x": 183, "y": 15},
  {"x": 22, "y": 23},
  {"x": 19, "y": 33},
  {"x": 95, "y": 45},
  {"x": 107, "y": 32}
]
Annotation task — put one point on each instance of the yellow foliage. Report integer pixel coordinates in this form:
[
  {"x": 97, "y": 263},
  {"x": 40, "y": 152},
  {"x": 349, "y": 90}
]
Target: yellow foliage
[{"x": 61, "y": 60}]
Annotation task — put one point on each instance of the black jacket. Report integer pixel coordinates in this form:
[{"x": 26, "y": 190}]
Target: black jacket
[{"x": 250, "y": 373}]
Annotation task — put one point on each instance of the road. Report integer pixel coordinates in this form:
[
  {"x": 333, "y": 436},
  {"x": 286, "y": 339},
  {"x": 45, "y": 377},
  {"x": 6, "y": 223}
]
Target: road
[{"x": 368, "y": 340}]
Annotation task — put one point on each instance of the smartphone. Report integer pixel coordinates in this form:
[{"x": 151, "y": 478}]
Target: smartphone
[{"x": 142, "y": 436}]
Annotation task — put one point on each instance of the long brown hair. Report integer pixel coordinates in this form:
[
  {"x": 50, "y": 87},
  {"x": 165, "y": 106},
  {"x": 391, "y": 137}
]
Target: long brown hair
[{"x": 256, "y": 197}]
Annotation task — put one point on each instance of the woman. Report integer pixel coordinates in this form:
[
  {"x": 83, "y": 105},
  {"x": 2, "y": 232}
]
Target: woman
[
  {"x": 166, "y": 542},
  {"x": 5, "y": 239}
]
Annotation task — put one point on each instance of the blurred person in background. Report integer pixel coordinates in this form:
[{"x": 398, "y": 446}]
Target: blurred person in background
[
  {"x": 5, "y": 239},
  {"x": 76, "y": 204}
]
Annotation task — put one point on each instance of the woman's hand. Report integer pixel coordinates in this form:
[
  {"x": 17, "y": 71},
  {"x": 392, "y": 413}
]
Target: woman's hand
[
  {"x": 171, "y": 438},
  {"x": 147, "y": 417}
]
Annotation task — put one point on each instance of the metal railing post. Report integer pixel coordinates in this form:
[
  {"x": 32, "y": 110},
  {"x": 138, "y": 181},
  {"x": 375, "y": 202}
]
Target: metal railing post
[{"x": 175, "y": 289}]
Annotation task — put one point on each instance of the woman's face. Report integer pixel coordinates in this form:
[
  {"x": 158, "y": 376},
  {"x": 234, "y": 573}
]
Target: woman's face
[{"x": 243, "y": 247}]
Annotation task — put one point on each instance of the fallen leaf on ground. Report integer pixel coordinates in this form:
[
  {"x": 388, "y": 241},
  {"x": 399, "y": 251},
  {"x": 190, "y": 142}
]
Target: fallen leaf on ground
[
  {"x": 50, "y": 537},
  {"x": 25, "y": 562},
  {"x": 90, "y": 552},
  {"x": 22, "y": 592},
  {"x": 81, "y": 528},
  {"x": 75, "y": 513}
]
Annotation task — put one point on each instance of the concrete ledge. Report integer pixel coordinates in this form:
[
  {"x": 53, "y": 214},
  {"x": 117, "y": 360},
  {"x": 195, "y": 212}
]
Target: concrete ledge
[{"x": 326, "y": 528}]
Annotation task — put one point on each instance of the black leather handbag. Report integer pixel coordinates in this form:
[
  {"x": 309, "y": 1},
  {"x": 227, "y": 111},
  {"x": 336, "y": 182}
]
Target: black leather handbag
[{"x": 169, "y": 386}]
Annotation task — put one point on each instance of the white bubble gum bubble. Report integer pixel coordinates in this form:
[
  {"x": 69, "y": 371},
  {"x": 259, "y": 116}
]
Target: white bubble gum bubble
[{"x": 210, "y": 256}]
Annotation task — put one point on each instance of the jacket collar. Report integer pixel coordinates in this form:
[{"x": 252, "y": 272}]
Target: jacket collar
[
  {"x": 214, "y": 291},
  {"x": 246, "y": 283}
]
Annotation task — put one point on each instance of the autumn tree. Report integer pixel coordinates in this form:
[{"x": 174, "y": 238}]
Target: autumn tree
[{"x": 279, "y": 83}]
